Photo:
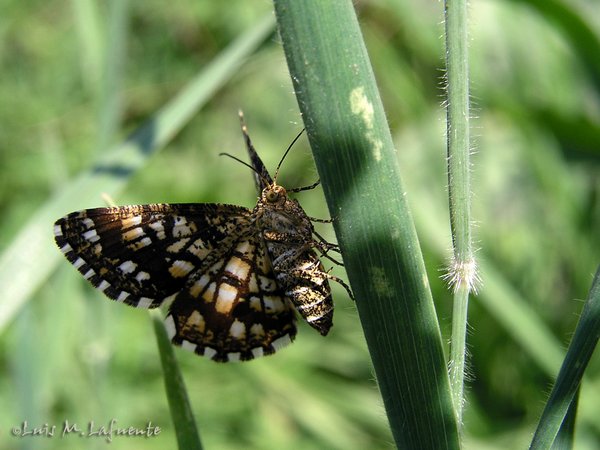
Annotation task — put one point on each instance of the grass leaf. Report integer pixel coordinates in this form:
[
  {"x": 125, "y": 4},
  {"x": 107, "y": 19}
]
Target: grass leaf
[
  {"x": 179, "y": 404},
  {"x": 356, "y": 160},
  {"x": 569, "y": 378}
]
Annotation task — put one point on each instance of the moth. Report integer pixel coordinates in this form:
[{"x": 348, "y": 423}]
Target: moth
[{"x": 234, "y": 278}]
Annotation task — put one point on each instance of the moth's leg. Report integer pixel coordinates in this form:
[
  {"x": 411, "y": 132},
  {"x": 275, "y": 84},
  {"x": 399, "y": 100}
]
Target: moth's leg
[
  {"x": 316, "y": 219},
  {"x": 342, "y": 283},
  {"x": 305, "y": 188},
  {"x": 324, "y": 247}
]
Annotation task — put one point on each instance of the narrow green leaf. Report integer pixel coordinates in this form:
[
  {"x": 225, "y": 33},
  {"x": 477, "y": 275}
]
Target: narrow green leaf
[
  {"x": 89, "y": 38},
  {"x": 357, "y": 164},
  {"x": 179, "y": 404},
  {"x": 566, "y": 435},
  {"x": 569, "y": 378},
  {"x": 110, "y": 99}
]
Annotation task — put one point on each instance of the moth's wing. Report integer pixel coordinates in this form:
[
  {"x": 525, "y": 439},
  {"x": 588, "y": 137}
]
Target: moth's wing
[
  {"x": 262, "y": 178},
  {"x": 142, "y": 255},
  {"x": 235, "y": 310}
]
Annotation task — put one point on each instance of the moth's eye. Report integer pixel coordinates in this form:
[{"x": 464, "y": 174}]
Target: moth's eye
[{"x": 272, "y": 196}]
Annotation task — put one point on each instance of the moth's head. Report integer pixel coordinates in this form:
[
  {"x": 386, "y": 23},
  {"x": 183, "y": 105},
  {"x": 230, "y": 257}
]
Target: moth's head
[{"x": 274, "y": 195}]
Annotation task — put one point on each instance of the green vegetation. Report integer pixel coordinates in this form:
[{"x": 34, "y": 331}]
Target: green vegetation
[{"x": 79, "y": 77}]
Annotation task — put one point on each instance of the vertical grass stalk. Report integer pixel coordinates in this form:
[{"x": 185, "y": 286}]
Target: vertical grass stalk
[
  {"x": 179, "y": 404},
  {"x": 462, "y": 271},
  {"x": 358, "y": 167}
]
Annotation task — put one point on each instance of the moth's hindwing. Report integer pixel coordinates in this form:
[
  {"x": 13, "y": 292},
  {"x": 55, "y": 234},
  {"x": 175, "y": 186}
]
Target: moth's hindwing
[
  {"x": 204, "y": 256},
  {"x": 236, "y": 302}
]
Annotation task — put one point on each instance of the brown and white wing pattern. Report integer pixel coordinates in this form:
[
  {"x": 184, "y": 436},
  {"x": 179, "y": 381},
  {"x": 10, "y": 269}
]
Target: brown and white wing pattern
[
  {"x": 204, "y": 257},
  {"x": 234, "y": 310}
]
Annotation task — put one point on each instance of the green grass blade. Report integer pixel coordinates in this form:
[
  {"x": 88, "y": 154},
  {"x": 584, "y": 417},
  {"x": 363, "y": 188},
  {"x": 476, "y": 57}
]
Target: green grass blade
[
  {"x": 19, "y": 275},
  {"x": 461, "y": 274},
  {"x": 569, "y": 378},
  {"x": 179, "y": 404},
  {"x": 356, "y": 160},
  {"x": 566, "y": 434},
  {"x": 110, "y": 99},
  {"x": 89, "y": 37}
]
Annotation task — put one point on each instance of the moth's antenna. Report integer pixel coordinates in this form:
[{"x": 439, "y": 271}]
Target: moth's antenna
[
  {"x": 240, "y": 161},
  {"x": 286, "y": 152}
]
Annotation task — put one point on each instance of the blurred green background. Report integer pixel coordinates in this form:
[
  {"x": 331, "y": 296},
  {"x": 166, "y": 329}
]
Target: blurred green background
[{"x": 69, "y": 354}]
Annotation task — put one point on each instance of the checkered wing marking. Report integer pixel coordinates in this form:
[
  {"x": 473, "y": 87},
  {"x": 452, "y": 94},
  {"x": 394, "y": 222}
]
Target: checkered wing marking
[
  {"x": 143, "y": 255},
  {"x": 233, "y": 311}
]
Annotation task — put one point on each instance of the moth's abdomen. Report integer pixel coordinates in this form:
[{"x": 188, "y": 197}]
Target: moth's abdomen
[
  {"x": 315, "y": 307},
  {"x": 309, "y": 291}
]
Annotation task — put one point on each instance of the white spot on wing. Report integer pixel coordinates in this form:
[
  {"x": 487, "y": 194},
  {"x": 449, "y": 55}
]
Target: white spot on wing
[
  {"x": 127, "y": 267},
  {"x": 253, "y": 285},
  {"x": 237, "y": 330},
  {"x": 131, "y": 221},
  {"x": 103, "y": 285},
  {"x": 209, "y": 352},
  {"x": 273, "y": 304},
  {"x": 281, "y": 342},
  {"x": 182, "y": 228},
  {"x": 199, "y": 285},
  {"x": 170, "y": 326},
  {"x": 257, "y": 330},
  {"x": 177, "y": 246},
  {"x": 66, "y": 248},
  {"x": 233, "y": 357},
  {"x": 57, "y": 230},
  {"x": 159, "y": 228},
  {"x": 89, "y": 223},
  {"x": 209, "y": 294},
  {"x": 255, "y": 303},
  {"x": 133, "y": 234},
  {"x": 144, "y": 302},
  {"x": 196, "y": 320},
  {"x": 142, "y": 276},
  {"x": 267, "y": 284},
  {"x": 245, "y": 247},
  {"x": 145, "y": 242},
  {"x": 198, "y": 248},
  {"x": 89, "y": 274},
  {"x": 91, "y": 236},
  {"x": 237, "y": 268},
  {"x": 180, "y": 268},
  {"x": 225, "y": 298}
]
